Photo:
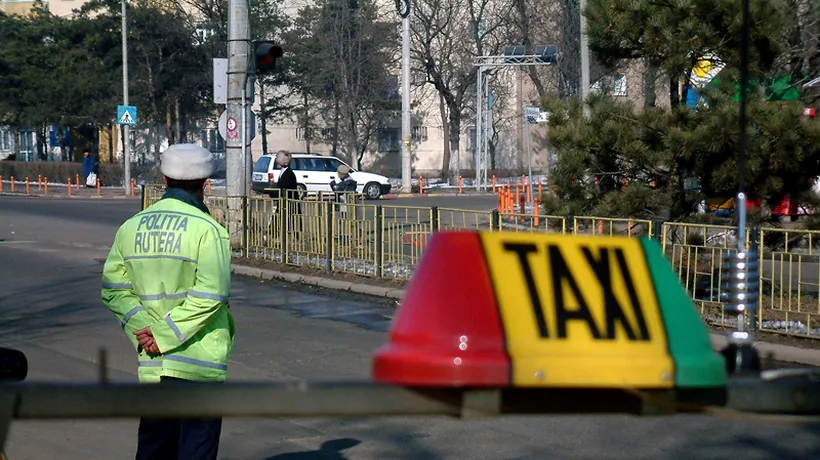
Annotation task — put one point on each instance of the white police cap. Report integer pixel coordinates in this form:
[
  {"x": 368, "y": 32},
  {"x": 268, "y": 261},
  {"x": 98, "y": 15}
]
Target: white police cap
[{"x": 187, "y": 162}]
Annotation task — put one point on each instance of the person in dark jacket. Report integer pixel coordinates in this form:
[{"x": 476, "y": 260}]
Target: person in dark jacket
[
  {"x": 287, "y": 178},
  {"x": 288, "y": 187},
  {"x": 344, "y": 189},
  {"x": 89, "y": 167}
]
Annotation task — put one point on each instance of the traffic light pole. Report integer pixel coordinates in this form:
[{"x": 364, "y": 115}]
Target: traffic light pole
[{"x": 236, "y": 163}]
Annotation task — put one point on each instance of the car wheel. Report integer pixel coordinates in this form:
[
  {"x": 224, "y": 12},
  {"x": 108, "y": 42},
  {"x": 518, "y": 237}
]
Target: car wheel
[
  {"x": 372, "y": 191},
  {"x": 302, "y": 191}
]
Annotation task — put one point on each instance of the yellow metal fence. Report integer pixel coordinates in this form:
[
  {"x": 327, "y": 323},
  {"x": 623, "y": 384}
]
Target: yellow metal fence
[{"x": 385, "y": 241}]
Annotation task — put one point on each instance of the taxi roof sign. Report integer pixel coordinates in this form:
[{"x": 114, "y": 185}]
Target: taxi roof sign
[{"x": 542, "y": 310}]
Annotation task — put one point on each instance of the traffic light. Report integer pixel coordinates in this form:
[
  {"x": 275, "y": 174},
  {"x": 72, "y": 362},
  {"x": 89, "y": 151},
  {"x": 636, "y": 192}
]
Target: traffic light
[{"x": 266, "y": 55}]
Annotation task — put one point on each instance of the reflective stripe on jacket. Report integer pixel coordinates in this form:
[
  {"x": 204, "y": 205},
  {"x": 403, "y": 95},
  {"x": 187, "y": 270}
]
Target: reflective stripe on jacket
[{"x": 170, "y": 268}]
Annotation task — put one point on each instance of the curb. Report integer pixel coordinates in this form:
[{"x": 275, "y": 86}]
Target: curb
[
  {"x": 73, "y": 197},
  {"x": 376, "y": 291},
  {"x": 783, "y": 353},
  {"x": 431, "y": 195}
]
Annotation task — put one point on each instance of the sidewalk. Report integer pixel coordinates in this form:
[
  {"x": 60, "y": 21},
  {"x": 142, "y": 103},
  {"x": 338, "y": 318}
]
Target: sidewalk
[
  {"x": 785, "y": 353},
  {"x": 61, "y": 191}
]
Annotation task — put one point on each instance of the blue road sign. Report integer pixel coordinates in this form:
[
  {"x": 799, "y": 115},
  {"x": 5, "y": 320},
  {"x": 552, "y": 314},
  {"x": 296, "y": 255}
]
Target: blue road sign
[{"x": 126, "y": 115}]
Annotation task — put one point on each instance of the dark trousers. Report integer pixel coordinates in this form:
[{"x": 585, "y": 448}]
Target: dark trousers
[{"x": 178, "y": 439}]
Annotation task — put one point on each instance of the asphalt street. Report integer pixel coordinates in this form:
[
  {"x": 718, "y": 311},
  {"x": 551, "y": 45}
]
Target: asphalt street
[{"x": 51, "y": 255}]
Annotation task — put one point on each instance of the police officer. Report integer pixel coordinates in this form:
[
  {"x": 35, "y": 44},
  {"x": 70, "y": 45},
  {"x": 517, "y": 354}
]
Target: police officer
[{"x": 167, "y": 280}]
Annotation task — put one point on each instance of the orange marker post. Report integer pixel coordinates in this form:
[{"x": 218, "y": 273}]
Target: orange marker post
[
  {"x": 535, "y": 211},
  {"x": 210, "y": 187},
  {"x": 517, "y": 191},
  {"x": 78, "y": 182},
  {"x": 69, "y": 186},
  {"x": 39, "y": 182},
  {"x": 540, "y": 191},
  {"x": 460, "y": 183},
  {"x": 421, "y": 184},
  {"x": 28, "y": 187},
  {"x": 600, "y": 227},
  {"x": 45, "y": 184},
  {"x": 99, "y": 190},
  {"x": 493, "y": 183},
  {"x": 12, "y": 184},
  {"x": 133, "y": 186},
  {"x": 1, "y": 183}
]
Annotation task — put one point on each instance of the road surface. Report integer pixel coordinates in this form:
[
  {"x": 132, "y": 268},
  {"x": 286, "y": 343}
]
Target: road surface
[{"x": 50, "y": 263}]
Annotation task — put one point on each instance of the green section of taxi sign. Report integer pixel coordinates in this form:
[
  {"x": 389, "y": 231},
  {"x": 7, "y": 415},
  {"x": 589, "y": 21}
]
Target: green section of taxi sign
[{"x": 697, "y": 364}]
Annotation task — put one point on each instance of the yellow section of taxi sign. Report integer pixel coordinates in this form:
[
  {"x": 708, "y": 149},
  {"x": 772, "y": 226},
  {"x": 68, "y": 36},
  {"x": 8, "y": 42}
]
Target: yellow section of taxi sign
[{"x": 578, "y": 311}]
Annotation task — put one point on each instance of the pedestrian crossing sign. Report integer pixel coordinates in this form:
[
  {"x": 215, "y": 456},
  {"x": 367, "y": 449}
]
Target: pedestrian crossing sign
[{"x": 126, "y": 115}]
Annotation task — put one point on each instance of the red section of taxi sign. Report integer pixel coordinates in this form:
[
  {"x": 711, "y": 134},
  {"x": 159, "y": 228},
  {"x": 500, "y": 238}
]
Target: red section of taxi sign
[{"x": 447, "y": 331}]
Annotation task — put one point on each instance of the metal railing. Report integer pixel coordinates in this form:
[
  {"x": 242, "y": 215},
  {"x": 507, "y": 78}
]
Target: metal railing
[{"x": 386, "y": 241}]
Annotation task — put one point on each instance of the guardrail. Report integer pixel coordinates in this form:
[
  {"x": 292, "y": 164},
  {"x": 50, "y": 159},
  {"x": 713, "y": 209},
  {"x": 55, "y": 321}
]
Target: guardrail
[
  {"x": 387, "y": 241},
  {"x": 776, "y": 392}
]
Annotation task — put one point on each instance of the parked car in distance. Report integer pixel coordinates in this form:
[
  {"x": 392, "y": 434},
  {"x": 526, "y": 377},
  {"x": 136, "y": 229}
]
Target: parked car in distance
[{"x": 314, "y": 173}]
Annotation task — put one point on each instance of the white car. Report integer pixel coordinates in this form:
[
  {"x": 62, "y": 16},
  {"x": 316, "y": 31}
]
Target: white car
[{"x": 314, "y": 173}]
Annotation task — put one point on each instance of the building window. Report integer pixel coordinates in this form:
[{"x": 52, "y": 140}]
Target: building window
[
  {"x": 619, "y": 86},
  {"x": 471, "y": 133},
  {"x": 311, "y": 133},
  {"x": 389, "y": 140},
  {"x": 212, "y": 140},
  {"x": 5, "y": 140}
]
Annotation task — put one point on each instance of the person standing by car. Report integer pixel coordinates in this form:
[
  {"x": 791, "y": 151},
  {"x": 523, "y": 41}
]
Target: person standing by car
[{"x": 167, "y": 279}]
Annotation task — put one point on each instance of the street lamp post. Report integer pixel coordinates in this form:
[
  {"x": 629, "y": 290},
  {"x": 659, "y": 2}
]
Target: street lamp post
[
  {"x": 126, "y": 145},
  {"x": 403, "y": 8}
]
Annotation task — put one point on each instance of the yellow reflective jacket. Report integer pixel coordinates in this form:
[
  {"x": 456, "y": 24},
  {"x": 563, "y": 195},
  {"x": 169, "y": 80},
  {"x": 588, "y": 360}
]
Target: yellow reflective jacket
[{"x": 170, "y": 268}]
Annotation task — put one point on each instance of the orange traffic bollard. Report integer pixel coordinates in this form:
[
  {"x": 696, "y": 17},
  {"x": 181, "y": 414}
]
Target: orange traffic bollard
[
  {"x": 28, "y": 187},
  {"x": 493, "y": 183},
  {"x": 12, "y": 184},
  {"x": 133, "y": 186},
  {"x": 600, "y": 227},
  {"x": 517, "y": 191},
  {"x": 460, "y": 182},
  {"x": 39, "y": 182},
  {"x": 535, "y": 211},
  {"x": 210, "y": 188},
  {"x": 45, "y": 184},
  {"x": 1, "y": 184},
  {"x": 78, "y": 182},
  {"x": 421, "y": 184},
  {"x": 99, "y": 191},
  {"x": 69, "y": 186}
]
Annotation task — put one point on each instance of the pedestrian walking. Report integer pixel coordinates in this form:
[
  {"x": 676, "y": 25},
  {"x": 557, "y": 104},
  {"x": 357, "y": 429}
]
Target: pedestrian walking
[
  {"x": 89, "y": 169},
  {"x": 167, "y": 280}
]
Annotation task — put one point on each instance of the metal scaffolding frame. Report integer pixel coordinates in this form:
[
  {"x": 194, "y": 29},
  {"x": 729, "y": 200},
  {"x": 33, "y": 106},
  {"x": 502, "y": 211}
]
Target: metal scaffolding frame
[{"x": 484, "y": 64}]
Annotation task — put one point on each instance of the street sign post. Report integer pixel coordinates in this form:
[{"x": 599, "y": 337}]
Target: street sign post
[{"x": 127, "y": 115}]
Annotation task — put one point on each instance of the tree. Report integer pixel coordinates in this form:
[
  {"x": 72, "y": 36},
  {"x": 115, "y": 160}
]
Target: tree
[
  {"x": 447, "y": 36},
  {"x": 672, "y": 36},
  {"x": 343, "y": 54}
]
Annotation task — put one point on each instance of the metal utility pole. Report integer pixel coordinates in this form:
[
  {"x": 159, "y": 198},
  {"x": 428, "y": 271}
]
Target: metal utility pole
[
  {"x": 126, "y": 145},
  {"x": 406, "y": 124},
  {"x": 235, "y": 162},
  {"x": 584, "y": 59}
]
